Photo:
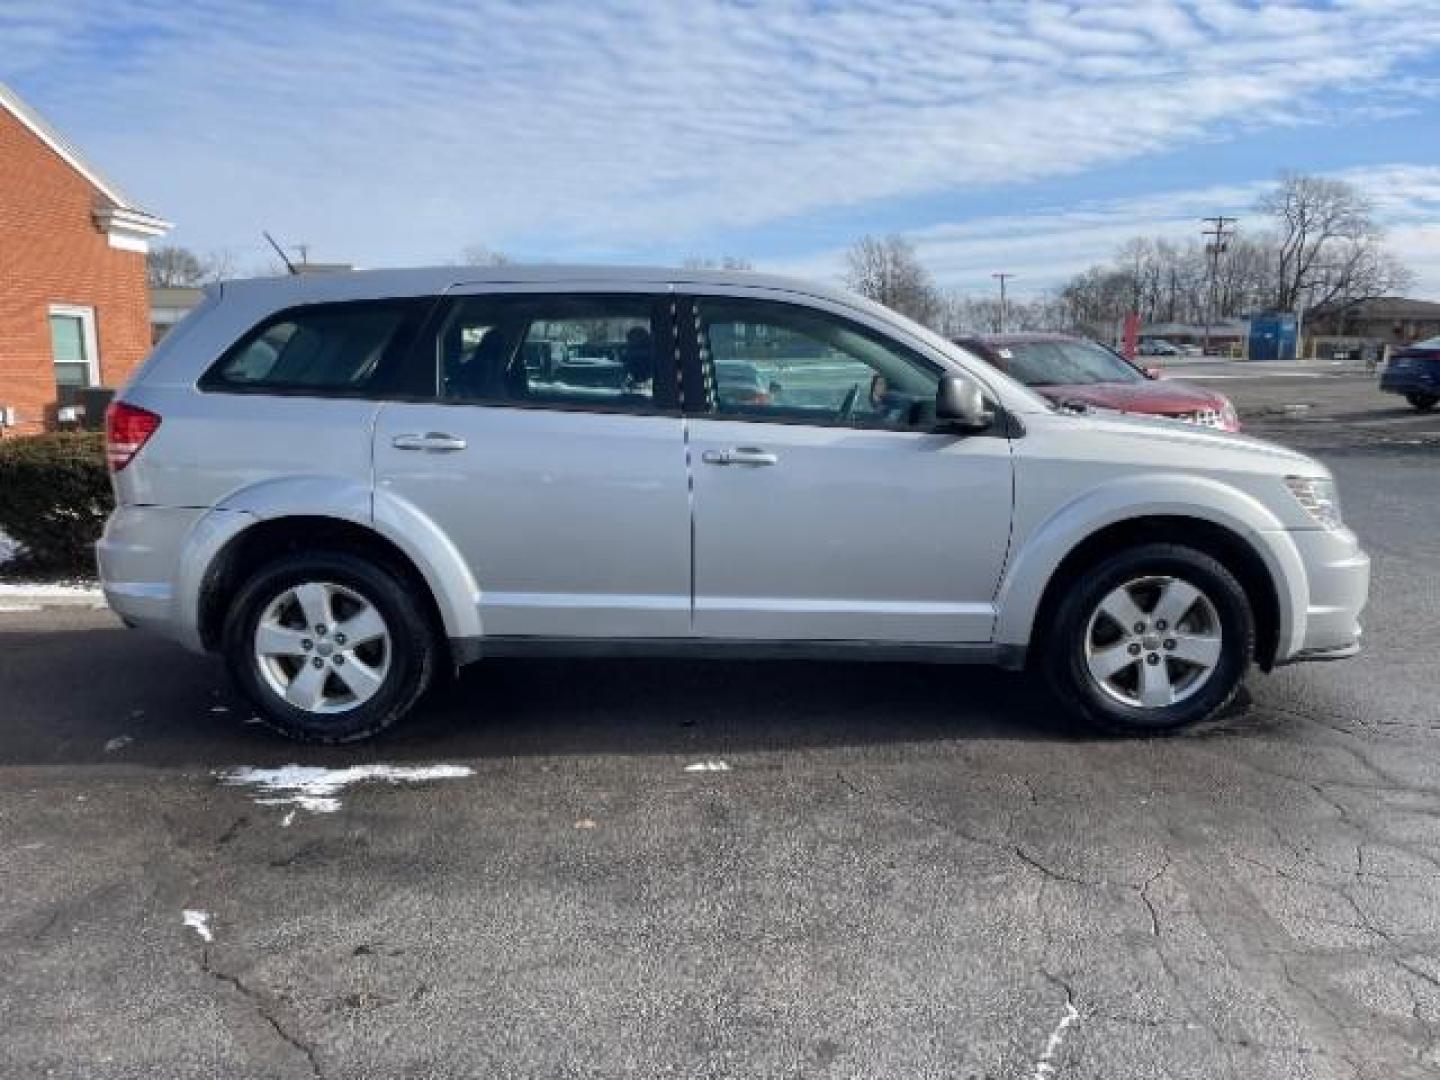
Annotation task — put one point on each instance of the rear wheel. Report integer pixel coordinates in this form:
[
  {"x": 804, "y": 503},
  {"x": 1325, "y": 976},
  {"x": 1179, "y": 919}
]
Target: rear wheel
[
  {"x": 1423, "y": 402},
  {"x": 329, "y": 647},
  {"x": 1152, "y": 639}
]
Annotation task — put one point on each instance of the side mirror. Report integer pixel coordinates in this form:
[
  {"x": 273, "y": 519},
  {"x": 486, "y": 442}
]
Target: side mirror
[
  {"x": 1152, "y": 372},
  {"x": 960, "y": 404}
]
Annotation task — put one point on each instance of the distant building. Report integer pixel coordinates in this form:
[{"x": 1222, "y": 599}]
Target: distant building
[
  {"x": 1222, "y": 334},
  {"x": 1379, "y": 320},
  {"x": 170, "y": 304},
  {"x": 74, "y": 310}
]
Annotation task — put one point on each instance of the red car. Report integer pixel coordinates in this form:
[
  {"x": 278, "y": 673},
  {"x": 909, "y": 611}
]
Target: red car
[{"x": 1077, "y": 371}]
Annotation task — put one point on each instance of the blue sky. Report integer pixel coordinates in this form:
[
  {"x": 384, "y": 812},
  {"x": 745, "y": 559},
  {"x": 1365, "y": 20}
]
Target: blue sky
[{"x": 1031, "y": 136}]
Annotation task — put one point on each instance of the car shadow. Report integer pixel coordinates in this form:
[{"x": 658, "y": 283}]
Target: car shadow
[{"x": 104, "y": 695}]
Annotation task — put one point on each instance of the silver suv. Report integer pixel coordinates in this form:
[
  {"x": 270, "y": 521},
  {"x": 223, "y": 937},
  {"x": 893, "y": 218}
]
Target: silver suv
[{"x": 348, "y": 483}]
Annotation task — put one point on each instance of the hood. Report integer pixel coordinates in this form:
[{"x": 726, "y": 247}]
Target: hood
[
  {"x": 1159, "y": 397},
  {"x": 1217, "y": 445}
]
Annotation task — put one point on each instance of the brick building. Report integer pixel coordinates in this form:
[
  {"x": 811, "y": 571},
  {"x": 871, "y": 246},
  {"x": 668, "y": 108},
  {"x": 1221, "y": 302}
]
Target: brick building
[{"x": 74, "y": 308}]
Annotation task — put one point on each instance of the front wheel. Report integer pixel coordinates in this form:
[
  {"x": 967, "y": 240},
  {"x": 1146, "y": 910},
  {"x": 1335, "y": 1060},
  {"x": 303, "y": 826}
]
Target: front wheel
[
  {"x": 1422, "y": 402},
  {"x": 329, "y": 647},
  {"x": 1153, "y": 639}
]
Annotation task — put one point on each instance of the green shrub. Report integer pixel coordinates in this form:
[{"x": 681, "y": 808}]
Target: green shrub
[{"x": 54, "y": 496}]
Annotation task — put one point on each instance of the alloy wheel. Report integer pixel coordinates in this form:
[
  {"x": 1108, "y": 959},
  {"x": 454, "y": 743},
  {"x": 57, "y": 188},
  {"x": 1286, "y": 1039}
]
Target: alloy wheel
[
  {"x": 323, "y": 647},
  {"x": 1153, "y": 642}
]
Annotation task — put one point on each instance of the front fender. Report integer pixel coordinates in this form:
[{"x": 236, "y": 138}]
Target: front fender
[{"x": 1040, "y": 552}]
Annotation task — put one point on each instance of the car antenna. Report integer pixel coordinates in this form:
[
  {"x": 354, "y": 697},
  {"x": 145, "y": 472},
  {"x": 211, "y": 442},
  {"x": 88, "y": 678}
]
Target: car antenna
[{"x": 281, "y": 252}]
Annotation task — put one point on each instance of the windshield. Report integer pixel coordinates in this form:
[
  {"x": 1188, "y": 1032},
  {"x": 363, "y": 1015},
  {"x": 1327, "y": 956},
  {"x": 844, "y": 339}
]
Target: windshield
[
  {"x": 1428, "y": 343},
  {"x": 1065, "y": 363}
]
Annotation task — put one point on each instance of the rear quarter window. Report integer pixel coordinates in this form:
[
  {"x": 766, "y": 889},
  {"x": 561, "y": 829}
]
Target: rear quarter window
[{"x": 349, "y": 349}]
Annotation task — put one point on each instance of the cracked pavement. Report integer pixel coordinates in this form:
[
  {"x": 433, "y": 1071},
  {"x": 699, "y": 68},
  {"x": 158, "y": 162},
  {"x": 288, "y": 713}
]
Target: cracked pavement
[{"x": 906, "y": 871}]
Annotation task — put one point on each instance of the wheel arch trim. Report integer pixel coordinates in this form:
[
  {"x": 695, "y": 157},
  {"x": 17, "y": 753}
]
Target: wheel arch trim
[
  {"x": 432, "y": 554},
  {"x": 1039, "y": 556}
]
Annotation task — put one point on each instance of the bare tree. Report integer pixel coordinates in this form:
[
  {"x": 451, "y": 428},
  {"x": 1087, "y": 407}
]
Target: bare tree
[
  {"x": 1327, "y": 244},
  {"x": 171, "y": 267},
  {"x": 482, "y": 255},
  {"x": 963, "y": 314},
  {"x": 724, "y": 262},
  {"x": 886, "y": 270}
]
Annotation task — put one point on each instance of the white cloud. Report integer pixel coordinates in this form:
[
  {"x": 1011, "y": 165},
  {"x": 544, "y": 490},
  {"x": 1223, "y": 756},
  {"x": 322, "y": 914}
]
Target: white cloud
[
  {"x": 1044, "y": 248},
  {"x": 401, "y": 130}
]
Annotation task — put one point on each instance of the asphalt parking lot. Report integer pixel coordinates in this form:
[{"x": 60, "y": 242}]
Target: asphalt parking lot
[{"x": 677, "y": 869}]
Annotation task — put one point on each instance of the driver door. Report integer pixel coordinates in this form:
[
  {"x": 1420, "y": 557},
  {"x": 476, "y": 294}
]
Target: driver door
[{"x": 826, "y": 506}]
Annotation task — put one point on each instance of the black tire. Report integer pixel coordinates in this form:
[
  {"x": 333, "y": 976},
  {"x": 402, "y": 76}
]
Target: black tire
[
  {"x": 1064, "y": 658},
  {"x": 412, "y": 648},
  {"x": 1422, "y": 402}
]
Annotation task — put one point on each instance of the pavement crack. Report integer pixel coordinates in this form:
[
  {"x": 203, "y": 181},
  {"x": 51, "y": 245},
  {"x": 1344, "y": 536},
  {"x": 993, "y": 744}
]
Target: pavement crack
[
  {"x": 1144, "y": 891},
  {"x": 263, "y": 1008},
  {"x": 845, "y": 781},
  {"x": 1049, "y": 871}
]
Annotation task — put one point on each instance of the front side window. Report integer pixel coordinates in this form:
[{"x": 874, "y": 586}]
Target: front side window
[
  {"x": 601, "y": 352},
  {"x": 72, "y": 345},
  {"x": 350, "y": 348},
  {"x": 785, "y": 363}
]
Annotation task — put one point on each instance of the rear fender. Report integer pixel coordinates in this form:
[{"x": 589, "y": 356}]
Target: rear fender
[{"x": 421, "y": 541}]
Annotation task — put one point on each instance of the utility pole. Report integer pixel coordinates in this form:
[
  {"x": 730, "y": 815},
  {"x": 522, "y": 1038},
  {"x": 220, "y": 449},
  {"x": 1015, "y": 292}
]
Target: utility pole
[
  {"x": 1217, "y": 239},
  {"x": 1002, "y": 278}
]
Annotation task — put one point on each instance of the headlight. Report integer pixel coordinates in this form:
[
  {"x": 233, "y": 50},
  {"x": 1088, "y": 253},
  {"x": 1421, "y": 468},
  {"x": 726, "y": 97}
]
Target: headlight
[{"x": 1319, "y": 498}]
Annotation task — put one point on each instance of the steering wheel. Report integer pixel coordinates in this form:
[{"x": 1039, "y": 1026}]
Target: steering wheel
[{"x": 847, "y": 407}]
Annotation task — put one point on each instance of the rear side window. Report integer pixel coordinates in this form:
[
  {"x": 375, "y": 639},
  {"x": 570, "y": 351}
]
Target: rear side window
[
  {"x": 606, "y": 353},
  {"x": 357, "y": 349}
]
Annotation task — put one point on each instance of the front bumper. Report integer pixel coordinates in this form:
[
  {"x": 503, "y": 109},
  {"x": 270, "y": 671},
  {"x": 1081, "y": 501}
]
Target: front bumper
[{"x": 1338, "y": 573}]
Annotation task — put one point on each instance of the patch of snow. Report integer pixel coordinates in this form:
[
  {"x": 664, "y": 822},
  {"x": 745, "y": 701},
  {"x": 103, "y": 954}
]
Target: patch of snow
[
  {"x": 16, "y": 608},
  {"x": 316, "y": 788},
  {"x": 708, "y": 766},
  {"x": 118, "y": 743},
  {"x": 1045, "y": 1067},
  {"x": 199, "y": 921},
  {"x": 287, "y": 819},
  {"x": 49, "y": 590}
]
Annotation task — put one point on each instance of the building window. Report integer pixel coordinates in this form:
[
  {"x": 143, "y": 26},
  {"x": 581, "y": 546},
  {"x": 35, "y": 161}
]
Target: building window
[{"x": 72, "y": 344}]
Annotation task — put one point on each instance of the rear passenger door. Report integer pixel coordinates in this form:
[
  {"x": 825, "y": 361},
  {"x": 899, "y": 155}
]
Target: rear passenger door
[{"x": 553, "y": 456}]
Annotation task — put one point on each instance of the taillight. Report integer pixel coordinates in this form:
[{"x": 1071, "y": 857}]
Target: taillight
[{"x": 127, "y": 428}]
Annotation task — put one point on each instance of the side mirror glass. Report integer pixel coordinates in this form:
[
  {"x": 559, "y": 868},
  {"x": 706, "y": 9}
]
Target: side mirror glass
[{"x": 959, "y": 403}]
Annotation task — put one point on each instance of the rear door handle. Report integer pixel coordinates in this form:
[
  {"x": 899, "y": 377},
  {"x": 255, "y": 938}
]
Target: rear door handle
[
  {"x": 435, "y": 442},
  {"x": 741, "y": 455}
]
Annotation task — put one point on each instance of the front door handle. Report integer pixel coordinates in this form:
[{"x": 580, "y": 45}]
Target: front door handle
[
  {"x": 435, "y": 442},
  {"x": 741, "y": 455}
]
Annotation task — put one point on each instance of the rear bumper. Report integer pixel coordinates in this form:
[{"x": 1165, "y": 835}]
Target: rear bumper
[
  {"x": 1410, "y": 381},
  {"x": 153, "y": 561},
  {"x": 139, "y": 554},
  {"x": 1338, "y": 574}
]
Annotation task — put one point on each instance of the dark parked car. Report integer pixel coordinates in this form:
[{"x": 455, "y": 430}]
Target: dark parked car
[
  {"x": 1077, "y": 371},
  {"x": 1414, "y": 371}
]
